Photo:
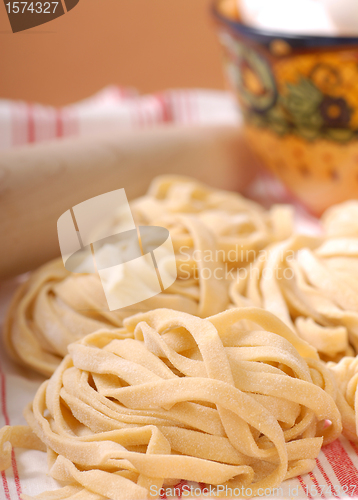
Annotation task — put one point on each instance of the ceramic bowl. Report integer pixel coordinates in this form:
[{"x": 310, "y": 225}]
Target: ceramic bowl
[{"x": 299, "y": 98}]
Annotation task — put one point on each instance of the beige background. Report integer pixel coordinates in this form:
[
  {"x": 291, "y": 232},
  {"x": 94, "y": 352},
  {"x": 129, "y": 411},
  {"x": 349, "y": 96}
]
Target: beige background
[{"x": 147, "y": 44}]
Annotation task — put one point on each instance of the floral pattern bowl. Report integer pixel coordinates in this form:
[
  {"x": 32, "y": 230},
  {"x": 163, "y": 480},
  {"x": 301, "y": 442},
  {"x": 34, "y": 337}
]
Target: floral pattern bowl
[{"x": 299, "y": 98}]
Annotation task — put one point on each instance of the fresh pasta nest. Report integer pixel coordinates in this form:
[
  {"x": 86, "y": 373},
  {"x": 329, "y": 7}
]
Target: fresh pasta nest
[
  {"x": 341, "y": 220},
  {"x": 346, "y": 375},
  {"x": 55, "y": 308},
  {"x": 312, "y": 285},
  {"x": 236, "y": 399},
  {"x": 240, "y": 226}
]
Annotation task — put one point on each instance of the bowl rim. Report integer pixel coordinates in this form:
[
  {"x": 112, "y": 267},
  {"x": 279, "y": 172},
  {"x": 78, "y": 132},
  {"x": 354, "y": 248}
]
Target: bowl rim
[{"x": 295, "y": 40}]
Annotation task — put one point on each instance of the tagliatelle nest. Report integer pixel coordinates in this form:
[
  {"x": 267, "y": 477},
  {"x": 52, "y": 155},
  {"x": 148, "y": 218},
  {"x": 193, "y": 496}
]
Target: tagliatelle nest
[
  {"x": 341, "y": 220},
  {"x": 240, "y": 226},
  {"x": 346, "y": 375},
  {"x": 54, "y": 307},
  {"x": 236, "y": 399},
  {"x": 312, "y": 285}
]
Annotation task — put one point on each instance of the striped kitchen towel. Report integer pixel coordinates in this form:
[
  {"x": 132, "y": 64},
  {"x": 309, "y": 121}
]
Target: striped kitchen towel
[{"x": 113, "y": 108}]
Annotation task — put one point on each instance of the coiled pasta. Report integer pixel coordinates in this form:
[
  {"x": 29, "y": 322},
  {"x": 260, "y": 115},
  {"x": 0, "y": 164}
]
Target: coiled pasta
[
  {"x": 236, "y": 399},
  {"x": 311, "y": 283},
  {"x": 346, "y": 375}
]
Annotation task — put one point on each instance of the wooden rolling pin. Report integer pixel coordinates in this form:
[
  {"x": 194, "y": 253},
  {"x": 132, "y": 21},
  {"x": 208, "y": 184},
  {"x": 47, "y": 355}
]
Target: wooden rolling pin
[{"x": 40, "y": 182}]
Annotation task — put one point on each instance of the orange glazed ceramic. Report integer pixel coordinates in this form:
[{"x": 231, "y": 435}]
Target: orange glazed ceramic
[{"x": 299, "y": 98}]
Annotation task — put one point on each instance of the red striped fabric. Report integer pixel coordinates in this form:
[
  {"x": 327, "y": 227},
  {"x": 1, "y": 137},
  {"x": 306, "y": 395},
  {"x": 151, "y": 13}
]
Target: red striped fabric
[
  {"x": 342, "y": 465},
  {"x": 7, "y": 421},
  {"x": 305, "y": 488},
  {"x": 318, "y": 486},
  {"x": 326, "y": 478},
  {"x": 111, "y": 108}
]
